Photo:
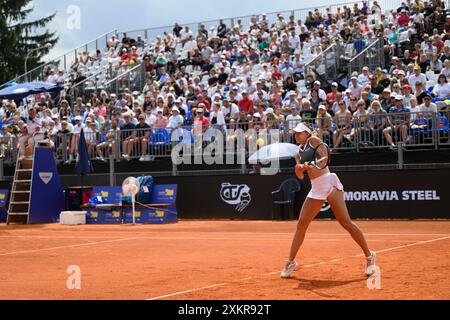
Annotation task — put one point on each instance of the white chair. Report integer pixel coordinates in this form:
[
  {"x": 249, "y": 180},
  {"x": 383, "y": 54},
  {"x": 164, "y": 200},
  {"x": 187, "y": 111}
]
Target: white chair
[{"x": 431, "y": 76}]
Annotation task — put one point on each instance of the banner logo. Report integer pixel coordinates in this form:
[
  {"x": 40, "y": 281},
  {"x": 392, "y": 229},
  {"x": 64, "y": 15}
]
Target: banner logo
[
  {"x": 326, "y": 207},
  {"x": 46, "y": 177},
  {"x": 236, "y": 195}
]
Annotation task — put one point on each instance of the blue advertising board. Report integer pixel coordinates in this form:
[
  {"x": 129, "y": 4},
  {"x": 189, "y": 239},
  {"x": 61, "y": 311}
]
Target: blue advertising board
[{"x": 3, "y": 203}]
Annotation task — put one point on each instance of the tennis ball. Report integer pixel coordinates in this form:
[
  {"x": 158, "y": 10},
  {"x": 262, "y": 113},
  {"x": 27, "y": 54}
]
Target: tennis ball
[{"x": 260, "y": 142}]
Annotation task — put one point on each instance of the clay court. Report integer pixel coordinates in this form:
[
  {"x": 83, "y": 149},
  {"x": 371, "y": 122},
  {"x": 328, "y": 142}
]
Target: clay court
[{"x": 209, "y": 260}]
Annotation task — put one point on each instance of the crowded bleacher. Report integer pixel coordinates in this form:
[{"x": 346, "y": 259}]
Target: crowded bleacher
[{"x": 231, "y": 76}]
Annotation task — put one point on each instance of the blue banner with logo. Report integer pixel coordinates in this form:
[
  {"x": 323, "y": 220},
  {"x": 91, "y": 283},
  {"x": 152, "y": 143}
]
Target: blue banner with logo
[
  {"x": 47, "y": 196},
  {"x": 3, "y": 205}
]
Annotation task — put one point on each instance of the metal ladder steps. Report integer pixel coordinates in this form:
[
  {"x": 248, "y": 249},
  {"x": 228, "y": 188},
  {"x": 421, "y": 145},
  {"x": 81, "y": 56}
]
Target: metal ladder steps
[
  {"x": 22, "y": 181},
  {"x": 18, "y": 213},
  {"x": 20, "y": 203}
]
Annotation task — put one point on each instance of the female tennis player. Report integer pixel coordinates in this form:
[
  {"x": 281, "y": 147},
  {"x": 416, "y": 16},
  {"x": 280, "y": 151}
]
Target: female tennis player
[{"x": 313, "y": 158}]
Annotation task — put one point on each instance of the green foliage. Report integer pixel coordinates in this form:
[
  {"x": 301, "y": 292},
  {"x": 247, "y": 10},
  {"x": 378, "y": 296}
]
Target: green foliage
[{"x": 18, "y": 36}]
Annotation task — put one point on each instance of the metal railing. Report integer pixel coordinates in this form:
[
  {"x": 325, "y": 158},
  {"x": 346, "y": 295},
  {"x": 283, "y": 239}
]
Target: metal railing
[
  {"x": 66, "y": 60},
  {"x": 91, "y": 83},
  {"x": 133, "y": 78},
  {"x": 150, "y": 34},
  {"x": 368, "y": 133},
  {"x": 372, "y": 57},
  {"x": 326, "y": 64},
  {"x": 245, "y": 22}
]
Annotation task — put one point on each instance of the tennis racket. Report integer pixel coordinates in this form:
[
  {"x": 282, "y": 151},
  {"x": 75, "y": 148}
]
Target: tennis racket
[{"x": 322, "y": 157}]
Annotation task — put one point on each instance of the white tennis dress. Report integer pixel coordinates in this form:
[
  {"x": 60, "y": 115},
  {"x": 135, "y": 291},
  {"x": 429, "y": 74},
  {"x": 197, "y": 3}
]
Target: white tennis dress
[{"x": 324, "y": 186}]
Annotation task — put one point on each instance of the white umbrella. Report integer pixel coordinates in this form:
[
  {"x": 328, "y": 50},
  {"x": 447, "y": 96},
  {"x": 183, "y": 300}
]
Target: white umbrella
[{"x": 273, "y": 152}]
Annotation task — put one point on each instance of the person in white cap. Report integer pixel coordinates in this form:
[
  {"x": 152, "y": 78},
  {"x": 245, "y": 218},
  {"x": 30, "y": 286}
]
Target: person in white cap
[
  {"x": 176, "y": 120},
  {"x": 217, "y": 118},
  {"x": 73, "y": 149},
  {"x": 230, "y": 110},
  {"x": 326, "y": 186},
  {"x": 322, "y": 93}
]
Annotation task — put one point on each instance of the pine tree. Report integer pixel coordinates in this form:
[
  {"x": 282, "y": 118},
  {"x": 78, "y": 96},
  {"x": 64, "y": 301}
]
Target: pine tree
[{"x": 18, "y": 36}]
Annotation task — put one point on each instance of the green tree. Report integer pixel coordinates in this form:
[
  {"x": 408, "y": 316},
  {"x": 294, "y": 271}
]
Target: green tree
[{"x": 19, "y": 36}]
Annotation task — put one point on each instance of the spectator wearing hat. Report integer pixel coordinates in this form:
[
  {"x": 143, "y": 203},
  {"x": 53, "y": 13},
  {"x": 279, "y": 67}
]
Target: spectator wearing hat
[
  {"x": 307, "y": 113},
  {"x": 321, "y": 93},
  {"x": 141, "y": 138},
  {"x": 355, "y": 87},
  {"x": 128, "y": 135},
  {"x": 201, "y": 123},
  {"x": 331, "y": 97},
  {"x": 293, "y": 119},
  {"x": 398, "y": 122},
  {"x": 291, "y": 101},
  {"x": 75, "y": 138},
  {"x": 229, "y": 110},
  {"x": 407, "y": 95},
  {"x": 91, "y": 136},
  {"x": 246, "y": 103},
  {"x": 363, "y": 78},
  {"x": 108, "y": 144},
  {"x": 428, "y": 108},
  {"x": 176, "y": 120},
  {"x": 418, "y": 76},
  {"x": 217, "y": 118},
  {"x": 403, "y": 19},
  {"x": 377, "y": 122},
  {"x": 161, "y": 120}
]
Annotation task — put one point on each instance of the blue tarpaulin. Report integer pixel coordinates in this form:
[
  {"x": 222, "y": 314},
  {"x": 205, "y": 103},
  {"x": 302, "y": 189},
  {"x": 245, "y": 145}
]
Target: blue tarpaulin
[
  {"x": 23, "y": 90},
  {"x": 84, "y": 164}
]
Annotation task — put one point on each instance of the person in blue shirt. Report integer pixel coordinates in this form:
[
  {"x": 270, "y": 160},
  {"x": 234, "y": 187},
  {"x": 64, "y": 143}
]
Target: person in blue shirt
[{"x": 399, "y": 121}]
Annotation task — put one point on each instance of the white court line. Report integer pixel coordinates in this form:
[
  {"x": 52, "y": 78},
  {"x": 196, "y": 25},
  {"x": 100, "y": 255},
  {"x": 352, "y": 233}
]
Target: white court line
[
  {"x": 196, "y": 238},
  {"x": 66, "y": 247},
  {"x": 303, "y": 267},
  {"x": 245, "y": 233}
]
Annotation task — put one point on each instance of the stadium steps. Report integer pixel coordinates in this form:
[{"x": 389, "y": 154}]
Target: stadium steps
[{"x": 19, "y": 205}]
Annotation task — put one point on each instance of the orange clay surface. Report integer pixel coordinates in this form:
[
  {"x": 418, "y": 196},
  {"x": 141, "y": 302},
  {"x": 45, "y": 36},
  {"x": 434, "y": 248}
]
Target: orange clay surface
[{"x": 209, "y": 260}]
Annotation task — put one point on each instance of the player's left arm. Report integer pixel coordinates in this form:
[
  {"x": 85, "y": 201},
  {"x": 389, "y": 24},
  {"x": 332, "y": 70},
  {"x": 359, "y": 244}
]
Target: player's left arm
[{"x": 322, "y": 154}]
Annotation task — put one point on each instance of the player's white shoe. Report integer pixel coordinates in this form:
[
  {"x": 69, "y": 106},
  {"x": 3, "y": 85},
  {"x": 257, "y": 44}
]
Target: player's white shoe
[
  {"x": 289, "y": 269},
  {"x": 371, "y": 263}
]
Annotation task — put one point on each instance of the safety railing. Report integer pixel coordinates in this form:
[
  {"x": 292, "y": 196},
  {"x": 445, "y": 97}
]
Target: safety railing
[
  {"x": 91, "y": 83},
  {"x": 443, "y": 132},
  {"x": 326, "y": 64},
  {"x": 149, "y": 35},
  {"x": 66, "y": 60},
  {"x": 372, "y": 57},
  {"x": 244, "y": 22},
  {"x": 133, "y": 78},
  {"x": 368, "y": 132}
]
